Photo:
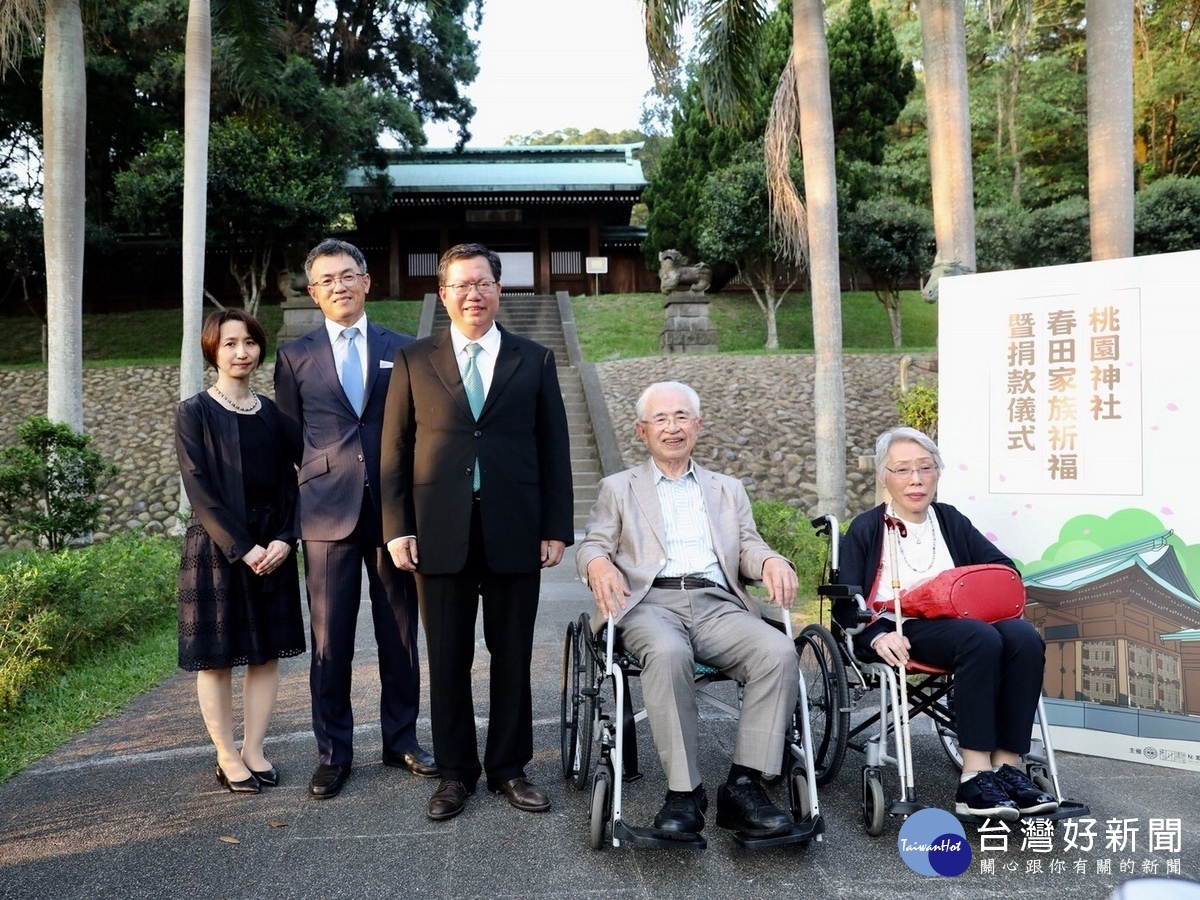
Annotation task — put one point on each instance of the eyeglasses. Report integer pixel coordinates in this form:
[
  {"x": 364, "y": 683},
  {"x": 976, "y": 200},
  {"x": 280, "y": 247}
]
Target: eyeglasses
[
  {"x": 463, "y": 288},
  {"x": 349, "y": 279},
  {"x": 907, "y": 472},
  {"x": 679, "y": 420}
]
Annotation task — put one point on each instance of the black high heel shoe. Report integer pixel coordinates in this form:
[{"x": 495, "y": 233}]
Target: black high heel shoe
[
  {"x": 269, "y": 778},
  {"x": 248, "y": 786}
]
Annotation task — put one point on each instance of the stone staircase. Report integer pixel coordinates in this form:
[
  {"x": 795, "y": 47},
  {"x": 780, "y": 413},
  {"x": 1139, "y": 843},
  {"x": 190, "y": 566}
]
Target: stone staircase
[{"x": 541, "y": 319}]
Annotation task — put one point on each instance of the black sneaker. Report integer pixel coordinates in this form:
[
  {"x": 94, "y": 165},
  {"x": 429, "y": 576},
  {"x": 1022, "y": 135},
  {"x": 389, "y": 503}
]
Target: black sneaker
[
  {"x": 985, "y": 796},
  {"x": 1030, "y": 798},
  {"x": 683, "y": 812},
  {"x": 744, "y": 806}
]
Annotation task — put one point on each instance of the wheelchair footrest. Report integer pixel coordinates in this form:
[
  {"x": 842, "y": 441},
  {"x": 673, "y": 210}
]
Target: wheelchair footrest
[
  {"x": 905, "y": 807},
  {"x": 800, "y": 832},
  {"x": 652, "y": 837},
  {"x": 1067, "y": 809}
]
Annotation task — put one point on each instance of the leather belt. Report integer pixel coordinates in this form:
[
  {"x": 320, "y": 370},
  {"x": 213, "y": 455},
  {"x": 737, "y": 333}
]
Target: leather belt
[{"x": 685, "y": 583}]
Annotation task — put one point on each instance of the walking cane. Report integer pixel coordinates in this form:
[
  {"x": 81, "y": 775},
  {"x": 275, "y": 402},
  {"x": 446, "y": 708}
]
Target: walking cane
[{"x": 896, "y": 530}]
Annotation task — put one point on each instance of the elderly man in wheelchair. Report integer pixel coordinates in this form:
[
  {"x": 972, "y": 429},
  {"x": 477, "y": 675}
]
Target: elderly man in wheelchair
[{"x": 667, "y": 545}]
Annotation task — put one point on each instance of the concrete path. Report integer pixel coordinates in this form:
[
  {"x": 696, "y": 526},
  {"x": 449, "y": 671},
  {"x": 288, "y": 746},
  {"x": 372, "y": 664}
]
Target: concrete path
[{"x": 132, "y": 810}]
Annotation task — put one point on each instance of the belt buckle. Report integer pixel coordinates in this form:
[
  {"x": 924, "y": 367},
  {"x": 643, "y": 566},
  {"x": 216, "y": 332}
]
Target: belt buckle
[{"x": 683, "y": 582}]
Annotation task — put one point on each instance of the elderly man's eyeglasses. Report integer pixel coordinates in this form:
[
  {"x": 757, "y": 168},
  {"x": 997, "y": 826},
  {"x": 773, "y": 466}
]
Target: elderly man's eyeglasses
[
  {"x": 679, "y": 420},
  {"x": 905, "y": 472},
  {"x": 463, "y": 288},
  {"x": 349, "y": 279}
]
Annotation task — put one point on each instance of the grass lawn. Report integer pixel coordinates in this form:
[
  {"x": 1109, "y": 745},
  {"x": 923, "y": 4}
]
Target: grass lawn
[{"x": 624, "y": 326}]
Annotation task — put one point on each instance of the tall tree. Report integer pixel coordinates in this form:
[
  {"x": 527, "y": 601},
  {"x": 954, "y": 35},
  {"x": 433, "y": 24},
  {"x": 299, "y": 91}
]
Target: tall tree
[
  {"x": 1110, "y": 127},
  {"x": 943, "y": 41},
  {"x": 64, "y": 116},
  {"x": 196, "y": 105}
]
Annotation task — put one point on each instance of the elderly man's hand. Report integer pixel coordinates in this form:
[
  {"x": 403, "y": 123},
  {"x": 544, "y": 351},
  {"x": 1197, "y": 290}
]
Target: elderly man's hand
[
  {"x": 608, "y": 586},
  {"x": 781, "y": 582}
]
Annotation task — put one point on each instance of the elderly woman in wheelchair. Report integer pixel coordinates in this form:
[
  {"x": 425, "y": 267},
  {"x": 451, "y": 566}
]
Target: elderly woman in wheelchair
[{"x": 997, "y": 665}]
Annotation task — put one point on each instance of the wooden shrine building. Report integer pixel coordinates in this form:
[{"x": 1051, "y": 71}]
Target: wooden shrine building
[{"x": 554, "y": 214}]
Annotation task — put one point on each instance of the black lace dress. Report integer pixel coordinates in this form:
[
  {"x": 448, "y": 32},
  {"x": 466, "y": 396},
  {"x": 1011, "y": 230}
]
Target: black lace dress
[{"x": 243, "y": 492}]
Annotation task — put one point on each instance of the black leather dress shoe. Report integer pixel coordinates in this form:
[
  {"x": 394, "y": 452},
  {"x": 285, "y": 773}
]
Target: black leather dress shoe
[
  {"x": 248, "y": 786},
  {"x": 328, "y": 780},
  {"x": 744, "y": 806},
  {"x": 417, "y": 761},
  {"x": 448, "y": 800},
  {"x": 523, "y": 794},
  {"x": 683, "y": 812},
  {"x": 269, "y": 778}
]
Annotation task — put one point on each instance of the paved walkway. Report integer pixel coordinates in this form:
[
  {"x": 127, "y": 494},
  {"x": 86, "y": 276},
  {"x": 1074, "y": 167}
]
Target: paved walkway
[{"x": 131, "y": 810}]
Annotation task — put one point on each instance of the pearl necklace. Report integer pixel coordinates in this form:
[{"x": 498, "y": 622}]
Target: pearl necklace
[
  {"x": 932, "y": 550},
  {"x": 253, "y": 400}
]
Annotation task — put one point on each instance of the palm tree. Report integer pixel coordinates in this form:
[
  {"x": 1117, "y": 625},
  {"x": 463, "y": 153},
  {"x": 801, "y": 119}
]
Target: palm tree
[
  {"x": 1110, "y": 127},
  {"x": 943, "y": 43},
  {"x": 64, "y": 116},
  {"x": 197, "y": 84},
  {"x": 802, "y": 113}
]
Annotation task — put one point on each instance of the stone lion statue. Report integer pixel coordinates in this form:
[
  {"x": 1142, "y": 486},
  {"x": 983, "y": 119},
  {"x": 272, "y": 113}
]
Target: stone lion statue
[{"x": 675, "y": 274}]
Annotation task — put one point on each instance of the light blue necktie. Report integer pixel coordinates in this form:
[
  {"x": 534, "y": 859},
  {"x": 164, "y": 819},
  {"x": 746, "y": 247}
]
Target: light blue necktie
[
  {"x": 352, "y": 376},
  {"x": 473, "y": 382}
]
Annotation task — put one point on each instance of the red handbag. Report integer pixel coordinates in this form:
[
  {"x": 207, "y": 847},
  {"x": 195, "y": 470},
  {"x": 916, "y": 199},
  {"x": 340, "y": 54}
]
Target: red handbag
[{"x": 986, "y": 592}]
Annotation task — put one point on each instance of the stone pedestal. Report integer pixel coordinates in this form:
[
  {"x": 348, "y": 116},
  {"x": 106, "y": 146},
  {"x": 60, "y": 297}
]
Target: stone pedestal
[
  {"x": 300, "y": 314},
  {"x": 687, "y": 328}
]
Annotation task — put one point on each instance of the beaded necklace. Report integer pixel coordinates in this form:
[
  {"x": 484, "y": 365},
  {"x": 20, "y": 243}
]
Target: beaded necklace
[
  {"x": 932, "y": 527},
  {"x": 253, "y": 400}
]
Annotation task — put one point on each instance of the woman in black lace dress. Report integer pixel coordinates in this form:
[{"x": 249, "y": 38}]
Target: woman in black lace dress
[{"x": 239, "y": 589}]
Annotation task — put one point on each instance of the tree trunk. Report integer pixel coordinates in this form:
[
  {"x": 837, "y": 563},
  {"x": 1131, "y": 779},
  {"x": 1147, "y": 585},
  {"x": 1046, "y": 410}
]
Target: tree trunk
[
  {"x": 64, "y": 116},
  {"x": 943, "y": 43},
  {"x": 196, "y": 93},
  {"x": 1110, "y": 127},
  {"x": 811, "y": 62}
]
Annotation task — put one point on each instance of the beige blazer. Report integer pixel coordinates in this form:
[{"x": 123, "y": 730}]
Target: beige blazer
[{"x": 626, "y": 526}]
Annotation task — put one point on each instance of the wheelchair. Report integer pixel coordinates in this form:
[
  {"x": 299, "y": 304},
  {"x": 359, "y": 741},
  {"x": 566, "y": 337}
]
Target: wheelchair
[
  {"x": 837, "y": 680},
  {"x": 594, "y": 662}
]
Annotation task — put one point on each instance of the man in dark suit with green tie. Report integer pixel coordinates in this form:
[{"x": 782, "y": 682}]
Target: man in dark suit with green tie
[{"x": 477, "y": 501}]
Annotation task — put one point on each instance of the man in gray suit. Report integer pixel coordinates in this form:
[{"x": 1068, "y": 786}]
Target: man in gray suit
[
  {"x": 330, "y": 386},
  {"x": 667, "y": 545}
]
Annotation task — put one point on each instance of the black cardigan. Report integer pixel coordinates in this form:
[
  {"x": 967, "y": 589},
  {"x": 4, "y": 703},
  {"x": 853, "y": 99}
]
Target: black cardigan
[
  {"x": 862, "y": 554},
  {"x": 210, "y": 463}
]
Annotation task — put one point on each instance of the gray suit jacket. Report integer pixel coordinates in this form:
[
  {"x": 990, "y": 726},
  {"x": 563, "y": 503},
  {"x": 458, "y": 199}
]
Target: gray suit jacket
[{"x": 626, "y": 526}]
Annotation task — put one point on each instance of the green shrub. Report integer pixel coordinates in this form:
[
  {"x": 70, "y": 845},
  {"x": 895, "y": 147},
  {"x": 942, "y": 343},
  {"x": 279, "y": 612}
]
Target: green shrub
[
  {"x": 56, "y": 606},
  {"x": 49, "y": 483},
  {"x": 1054, "y": 235},
  {"x": 788, "y": 531},
  {"x": 918, "y": 408},
  {"x": 1167, "y": 216}
]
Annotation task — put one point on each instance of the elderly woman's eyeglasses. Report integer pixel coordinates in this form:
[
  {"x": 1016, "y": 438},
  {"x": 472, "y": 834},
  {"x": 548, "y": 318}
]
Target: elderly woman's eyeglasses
[{"x": 921, "y": 472}]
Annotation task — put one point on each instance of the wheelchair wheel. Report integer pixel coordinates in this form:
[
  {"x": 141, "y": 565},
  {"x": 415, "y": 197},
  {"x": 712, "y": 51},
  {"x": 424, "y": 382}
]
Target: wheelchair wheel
[
  {"x": 947, "y": 736},
  {"x": 798, "y": 793},
  {"x": 589, "y": 701},
  {"x": 872, "y": 801},
  {"x": 569, "y": 708},
  {"x": 601, "y": 806},
  {"x": 824, "y": 675}
]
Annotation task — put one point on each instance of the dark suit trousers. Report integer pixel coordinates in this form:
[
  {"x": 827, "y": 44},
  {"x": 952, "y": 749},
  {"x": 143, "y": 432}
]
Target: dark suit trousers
[
  {"x": 449, "y": 607},
  {"x": 997, "y": 676},
  {"x": 333, "y": 576}
]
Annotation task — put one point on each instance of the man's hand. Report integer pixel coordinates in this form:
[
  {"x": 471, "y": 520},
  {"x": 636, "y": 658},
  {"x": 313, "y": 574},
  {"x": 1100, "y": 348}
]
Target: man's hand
[
  {"x": 404, "y": 553},
  {"x": 552, "y": 553},
  {"x": 608, "y": 586},
  {"x": 781, "y": 582}
]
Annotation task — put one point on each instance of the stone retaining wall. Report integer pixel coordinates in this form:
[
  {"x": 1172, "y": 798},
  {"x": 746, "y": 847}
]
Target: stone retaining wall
[{"x": 757, "y": 410}]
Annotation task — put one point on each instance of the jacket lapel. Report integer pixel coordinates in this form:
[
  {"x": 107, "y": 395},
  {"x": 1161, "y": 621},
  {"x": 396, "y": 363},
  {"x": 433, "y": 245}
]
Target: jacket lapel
[
  {"x": 446, "y": 367},
  {"x": 507, "y": 362},
  {"x": 646, "y": 496}
]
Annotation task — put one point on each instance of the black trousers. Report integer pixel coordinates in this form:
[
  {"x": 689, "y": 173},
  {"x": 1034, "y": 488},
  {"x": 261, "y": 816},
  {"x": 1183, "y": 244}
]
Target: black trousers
[
  {"x": 333, "y": 577},
  {"x": 997, "y": 676},
  {"x": 449, "y": 608}
]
